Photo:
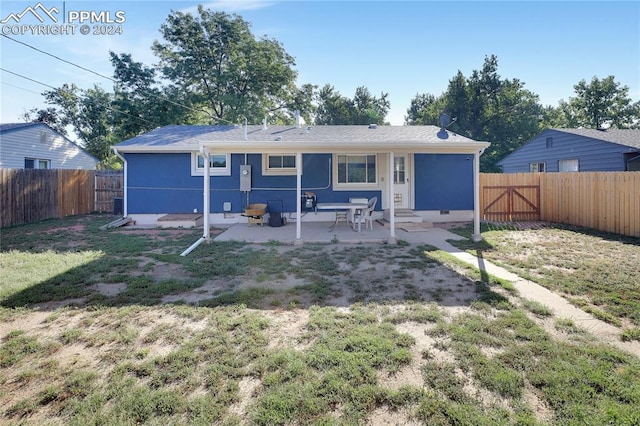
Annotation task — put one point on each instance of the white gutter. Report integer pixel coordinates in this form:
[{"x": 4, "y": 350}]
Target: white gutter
[{"x": 125, "y": 178}]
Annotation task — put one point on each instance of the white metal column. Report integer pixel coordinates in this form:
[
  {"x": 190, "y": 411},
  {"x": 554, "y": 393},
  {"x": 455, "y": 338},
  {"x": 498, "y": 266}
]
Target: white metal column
[
  {"x": 476, "y": 198},
  {"x": 392, "y": 208},
  {"x": 206, "y": 204},
  {"x": 298, "y": 200}
]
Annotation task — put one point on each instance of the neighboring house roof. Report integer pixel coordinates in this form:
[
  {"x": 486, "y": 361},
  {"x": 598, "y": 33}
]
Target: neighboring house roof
[
  {"x": 624, "y": 137},
  {"x": 190, "y": 138},
  {"x": 627, "y": 137},
  {"x": 6, "y": 128}
]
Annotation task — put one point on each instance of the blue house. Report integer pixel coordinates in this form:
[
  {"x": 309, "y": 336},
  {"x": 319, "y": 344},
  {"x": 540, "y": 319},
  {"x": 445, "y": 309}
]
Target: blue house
[
  {"x": 221, "y": 169},
  {"x": 577, "y": 150}
]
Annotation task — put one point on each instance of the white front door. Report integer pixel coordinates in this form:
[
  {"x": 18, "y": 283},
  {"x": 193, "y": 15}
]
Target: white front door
[{"x": 401, "y": 184}]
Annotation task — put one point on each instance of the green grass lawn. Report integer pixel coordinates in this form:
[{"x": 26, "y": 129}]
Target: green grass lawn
[
  {"x": 317, "y": 334},
  {"x": 598, "y": 272}
]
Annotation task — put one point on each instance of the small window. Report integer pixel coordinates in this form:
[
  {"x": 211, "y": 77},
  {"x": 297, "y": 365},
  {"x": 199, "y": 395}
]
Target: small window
[
  {"x": 357, "y": 169},
  {"x": 36, "y": 163},
  {"x": 569, "y": 165},
  {"x": 549, "y": 143},
  {"x": 537, "y": 167},
  {"x": 279, "y": 164},
  {"x": 219, "y": 165}
]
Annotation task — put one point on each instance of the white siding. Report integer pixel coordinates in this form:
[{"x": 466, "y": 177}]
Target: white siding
[{"x": 41, "y": 142}]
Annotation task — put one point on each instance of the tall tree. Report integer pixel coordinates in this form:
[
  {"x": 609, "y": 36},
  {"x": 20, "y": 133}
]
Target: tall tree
[
  {"x": 364, "y": 108},
  {"x": 89, "y": 112},
  {"x": 227, "y": 72},
  {"x": 486, "y": 107},
  {"x": 602, "y": 102},
  {"x": 50, "y": 116}
]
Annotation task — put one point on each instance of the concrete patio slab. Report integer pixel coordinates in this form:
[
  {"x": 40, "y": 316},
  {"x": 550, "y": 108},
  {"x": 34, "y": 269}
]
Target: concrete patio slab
[{"x": 320, "y": 232}]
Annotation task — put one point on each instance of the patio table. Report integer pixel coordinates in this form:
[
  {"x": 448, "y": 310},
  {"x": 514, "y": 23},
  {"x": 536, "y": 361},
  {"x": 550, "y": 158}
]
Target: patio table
[{"x": 338, "y": 207}]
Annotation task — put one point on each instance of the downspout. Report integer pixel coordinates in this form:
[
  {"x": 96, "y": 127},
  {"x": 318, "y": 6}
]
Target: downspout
[
  {"x": 125, "y": 178},
  {"x": 476, "y": 237},
  {"x": 205, "y": 207}
]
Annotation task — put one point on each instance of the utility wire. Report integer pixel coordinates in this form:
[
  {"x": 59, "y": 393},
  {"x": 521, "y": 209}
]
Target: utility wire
[
  {"x": 108, "y": 78},
  {"x": 54, "y": 88},
  {"x": 21, "y": 88}
]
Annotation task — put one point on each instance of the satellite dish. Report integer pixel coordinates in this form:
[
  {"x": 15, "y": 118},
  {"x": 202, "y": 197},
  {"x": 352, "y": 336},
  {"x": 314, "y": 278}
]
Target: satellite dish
[{"x": 445, "y": 120}]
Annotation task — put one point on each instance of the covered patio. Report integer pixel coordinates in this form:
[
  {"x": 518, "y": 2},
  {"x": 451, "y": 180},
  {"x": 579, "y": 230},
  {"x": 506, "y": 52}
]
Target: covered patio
[{"x": 318, "y": 232}]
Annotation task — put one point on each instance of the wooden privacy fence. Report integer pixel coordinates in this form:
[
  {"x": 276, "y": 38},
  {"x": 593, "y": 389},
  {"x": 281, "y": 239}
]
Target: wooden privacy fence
[
  {"x": 28, "y": 195},
  {"x": 606, "y": 201}
]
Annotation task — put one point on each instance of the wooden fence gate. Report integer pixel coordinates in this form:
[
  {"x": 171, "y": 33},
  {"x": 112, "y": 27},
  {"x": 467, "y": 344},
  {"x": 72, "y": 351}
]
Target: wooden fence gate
[
  {"x": 109, "y": 185},
  {"x": 511, "y": 203}
]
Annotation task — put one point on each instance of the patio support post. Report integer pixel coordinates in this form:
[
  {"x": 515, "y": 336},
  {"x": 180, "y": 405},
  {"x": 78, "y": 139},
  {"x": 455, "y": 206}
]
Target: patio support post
[
  {"x": 476, "y": 198},
  {"x": 206, "y": 204},
  {"x": 298, "y": 201},
  {"x": 392, "y": 209}
]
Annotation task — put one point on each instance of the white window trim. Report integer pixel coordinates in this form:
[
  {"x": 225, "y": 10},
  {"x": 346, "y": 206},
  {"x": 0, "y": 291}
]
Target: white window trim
[
  {"x": 213, "y": 171},
  {"x": 577, "y": 160},
  {"x": 36, "y": 163},
  {"x": 354, "y": 186},
  {"x": 277, "y": 171},
  {"x": 538, "y": 167}
]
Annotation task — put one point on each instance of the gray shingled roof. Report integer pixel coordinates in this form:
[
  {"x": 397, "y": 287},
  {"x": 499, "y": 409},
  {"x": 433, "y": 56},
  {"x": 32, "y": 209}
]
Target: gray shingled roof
[
  {"x": 626, "y": 137},
  {"x": 184, "y": 137}
]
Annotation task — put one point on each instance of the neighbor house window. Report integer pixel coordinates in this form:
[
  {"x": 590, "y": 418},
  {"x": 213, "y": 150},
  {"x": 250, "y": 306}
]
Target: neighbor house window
[
  {"x": 219, "y": 164},
  {"x": 537, "y": 167},
  {"x": 549, "y": 143},
  {"x": 568, "y": 165},
  {"x": 36, "y": 163},
  {"x": 356, "y": 169},
  {"x": 279, "y": 164}
]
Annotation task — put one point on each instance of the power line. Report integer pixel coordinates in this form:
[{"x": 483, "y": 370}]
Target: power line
[
  {"x": 55, "y": 88},
  {"x": 108, "y": 78},
  {"x": 21, "y": 88}
]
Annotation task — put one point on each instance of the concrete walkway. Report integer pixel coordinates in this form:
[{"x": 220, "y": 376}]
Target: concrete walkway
[{"x": 532, "y": 291}]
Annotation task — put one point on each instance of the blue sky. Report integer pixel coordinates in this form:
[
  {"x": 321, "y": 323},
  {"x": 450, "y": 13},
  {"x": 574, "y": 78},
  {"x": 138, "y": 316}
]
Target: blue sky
[{"x": 398, "y": 47}]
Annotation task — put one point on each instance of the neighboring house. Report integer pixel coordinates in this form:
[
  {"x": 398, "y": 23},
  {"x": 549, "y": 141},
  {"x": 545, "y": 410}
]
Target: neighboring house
[
  {"x": 421, "y": 168},
  {"x": 577, "y": 150},
  {"x": 38, "y": 146}
]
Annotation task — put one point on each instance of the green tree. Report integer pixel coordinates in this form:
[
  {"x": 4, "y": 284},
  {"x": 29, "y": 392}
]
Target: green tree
[
  {"x": 364, "y": 108},
  {"x": 486, "y": 107},
  {"x": 228, "y": 73},
  {"x": 50, "y": 116},
  {"x": 603, "y": 102},
  {"x": 89, "y": 112}
]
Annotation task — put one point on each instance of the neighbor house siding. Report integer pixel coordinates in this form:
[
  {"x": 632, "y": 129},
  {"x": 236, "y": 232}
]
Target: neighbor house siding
[
  {"x": 593, "y": 155},
  {"x": 443, "y": 182},
  {"x": 39, "y": 141},
  {"x": 162, "y": 183}
]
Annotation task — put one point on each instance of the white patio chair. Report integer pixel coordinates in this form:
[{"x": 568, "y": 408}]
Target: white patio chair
[
  {"x": 353, "y": 200},
  {"x": 366, "y": 214}
]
